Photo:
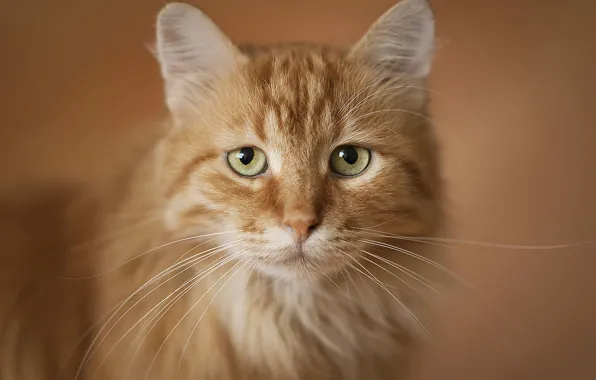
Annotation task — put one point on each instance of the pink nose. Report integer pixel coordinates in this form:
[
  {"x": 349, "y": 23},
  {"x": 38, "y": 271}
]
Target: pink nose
[{"x": 302, "y": 226}]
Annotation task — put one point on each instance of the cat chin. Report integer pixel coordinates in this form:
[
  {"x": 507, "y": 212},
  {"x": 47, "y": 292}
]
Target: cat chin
[
  {"x": 296, "y": 272},
  {"x": 278, "y": 272}
]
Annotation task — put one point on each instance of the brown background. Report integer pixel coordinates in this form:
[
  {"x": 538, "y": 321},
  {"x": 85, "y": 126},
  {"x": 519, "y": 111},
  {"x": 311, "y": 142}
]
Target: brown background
[{"x": 515, "y": 109}]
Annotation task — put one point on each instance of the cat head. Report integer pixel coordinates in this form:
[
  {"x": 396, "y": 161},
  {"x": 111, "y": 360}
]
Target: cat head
[{"x": 292, "y": 152}]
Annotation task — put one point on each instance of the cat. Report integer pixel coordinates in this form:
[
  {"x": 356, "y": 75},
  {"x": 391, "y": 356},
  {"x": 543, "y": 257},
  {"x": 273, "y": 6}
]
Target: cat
[{"x": 269, "y": 233}]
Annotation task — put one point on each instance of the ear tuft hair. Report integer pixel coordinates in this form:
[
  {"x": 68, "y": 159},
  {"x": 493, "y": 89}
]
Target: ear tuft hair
[
  {"x": 193, "y": 53},
  {"x": 401, "y": 42}
]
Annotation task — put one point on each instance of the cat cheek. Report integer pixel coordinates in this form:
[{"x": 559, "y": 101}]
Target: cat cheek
[
  {"x": 184, "y": 212},
  {"x": 172, "y": 219}
]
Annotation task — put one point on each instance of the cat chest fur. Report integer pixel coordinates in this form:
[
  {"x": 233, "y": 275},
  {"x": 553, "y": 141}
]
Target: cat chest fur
[{"x": 331, "y": 331}]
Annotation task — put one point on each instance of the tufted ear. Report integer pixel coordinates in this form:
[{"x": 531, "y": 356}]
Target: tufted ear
[
  {"x": 401, "y": 41},
  {"x": 193, "y": 54}
]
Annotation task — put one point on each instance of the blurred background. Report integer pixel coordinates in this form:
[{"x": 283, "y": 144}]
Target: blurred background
[{"x": 514, "y": 100}]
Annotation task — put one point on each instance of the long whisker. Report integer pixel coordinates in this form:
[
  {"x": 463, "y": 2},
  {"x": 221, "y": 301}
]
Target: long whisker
[
  {"x": 252, "y": 268},
  {"x": 187, "y": 262},
  {"x": 421, "y": 258},
  {"x": 486, "y": 244},
  {"x": 199, "y": 258},
  {"x": 394, "y": 110},
  {"x": 343, "y": 274},
  {"x": 402, "y": 86},
  {"x": 500, "y": 337},
  {"x": 332, "y": 282},
  {"x": 356, "y": 285},
  {"x": 373, "y": 278},
  {"x": 149, "y": 251},
  {"x": 383, "y": 223},
  {"x": 246, "y": 262},
  {"x": 202, "y": 275},
  {"x": 180, "y": 292},
  {"x": 466, "y": 111},
  {"x": 368, "y": 285},
  {"x": 114, "y": 234},
  {"x": 459, "y": 278},
  {"x": 404, "y": 270},
  {"x": 184, "y": 316},
  {"x": 405, "y": 238},
  {"x": 451, "y": 100},
  {"x": 179, "y": 259},
  {"x": 366, "y": 99},
  {"x": 193, "y": 248},
  {"x": 344, "y": 109}
]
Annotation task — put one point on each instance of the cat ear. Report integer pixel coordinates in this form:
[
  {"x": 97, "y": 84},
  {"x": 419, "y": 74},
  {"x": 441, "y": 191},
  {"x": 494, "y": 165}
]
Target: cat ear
[
  {"x": 193, "y": 54},
  {"x": 401, "y": 41}
]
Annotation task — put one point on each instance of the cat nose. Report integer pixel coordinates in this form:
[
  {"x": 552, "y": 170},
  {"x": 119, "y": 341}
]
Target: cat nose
[{"x": 302, "y": 226}]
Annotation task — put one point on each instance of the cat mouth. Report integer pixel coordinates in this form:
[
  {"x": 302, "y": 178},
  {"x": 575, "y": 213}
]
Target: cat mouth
[
  {"x": 297, "y": 253},
  {"x": 287, "y": 256},
  {"x": 289, "y": 268},
  {"x": 295, "y": 262}
]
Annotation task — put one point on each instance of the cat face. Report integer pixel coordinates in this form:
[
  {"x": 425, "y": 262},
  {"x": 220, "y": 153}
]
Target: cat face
[{"x": 292, "y": 152}]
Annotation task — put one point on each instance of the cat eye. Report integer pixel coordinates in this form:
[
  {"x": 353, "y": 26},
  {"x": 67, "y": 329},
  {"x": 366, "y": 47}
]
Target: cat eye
[
  {"x": 349, "y": 160},
  {"x": 247, "y": 161}
]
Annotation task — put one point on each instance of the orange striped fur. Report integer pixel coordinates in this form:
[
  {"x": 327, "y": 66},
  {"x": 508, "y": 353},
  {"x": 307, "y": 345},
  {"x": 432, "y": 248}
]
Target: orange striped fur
[{"x": 205, "y": 274}]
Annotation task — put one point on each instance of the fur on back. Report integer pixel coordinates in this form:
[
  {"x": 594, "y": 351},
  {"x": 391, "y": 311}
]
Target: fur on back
[{"x": 196, "y": 270}]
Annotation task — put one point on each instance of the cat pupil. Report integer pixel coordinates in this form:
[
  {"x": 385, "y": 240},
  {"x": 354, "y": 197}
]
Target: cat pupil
[
  {"x": 245, "y": 155},
  {"x": 349, "y": 154}
]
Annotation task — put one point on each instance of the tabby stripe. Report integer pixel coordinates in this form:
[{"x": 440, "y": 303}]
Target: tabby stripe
[{"x": 182, "y": 179}]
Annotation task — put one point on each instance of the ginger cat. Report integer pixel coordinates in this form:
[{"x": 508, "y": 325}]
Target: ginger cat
[{"x": 270, "y": 231}]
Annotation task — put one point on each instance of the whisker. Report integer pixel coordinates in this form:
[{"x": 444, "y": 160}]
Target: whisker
[
  {"x": 332, "y": 282},
  {"x": 385, "y": 222},
  {"x": 421, "y": 258},
  {"x": 465, "y": 110},
  {"x": 202, "y": 274},
  {"x": 343, "y": 273},
  {"x": 344, "y": 109},
  {"x": 188, "y": 285},
  {"x": 246, "y": 262},
  {"x": 404, "y": 270},
  {"x": 189, "y": 266},
  {"x": 190, "y": 262},
  {"x": 179, "y": 259},
  {"x": 487, "y": 244},
  {"x": 405, "y": 238},
  {"x": 252, "y": 268},
  {"x": 185, "y": 315},
  {"x": 383, "y": 286},
  {"x": 165, "y": 308},
  {"x": 113, "y": 234},
  {"x": 356, "y": 285},
  {"x": 367, "y": 99},
  {"x": 402, "y": 86},
  {"x": 499, "y": 336},
  {"x": 360, "y": 117},
  {"x": 149, "y": 251},
  {"x": 459, "y": 278}
]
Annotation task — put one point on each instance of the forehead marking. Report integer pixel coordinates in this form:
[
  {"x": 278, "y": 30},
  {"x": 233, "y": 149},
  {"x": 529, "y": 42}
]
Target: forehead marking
[{"x": 298, "y": 97}]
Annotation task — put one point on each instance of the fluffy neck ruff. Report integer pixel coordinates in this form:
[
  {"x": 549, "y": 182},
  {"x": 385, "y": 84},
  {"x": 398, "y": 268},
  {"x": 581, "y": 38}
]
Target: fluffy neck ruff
[{"x": 336, "y": 326}]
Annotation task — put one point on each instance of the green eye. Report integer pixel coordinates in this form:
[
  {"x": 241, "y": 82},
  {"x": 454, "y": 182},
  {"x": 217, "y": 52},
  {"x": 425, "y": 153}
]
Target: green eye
[
  {"x": 349, "y": 160},
  {"x": 248, "y": 161}
]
